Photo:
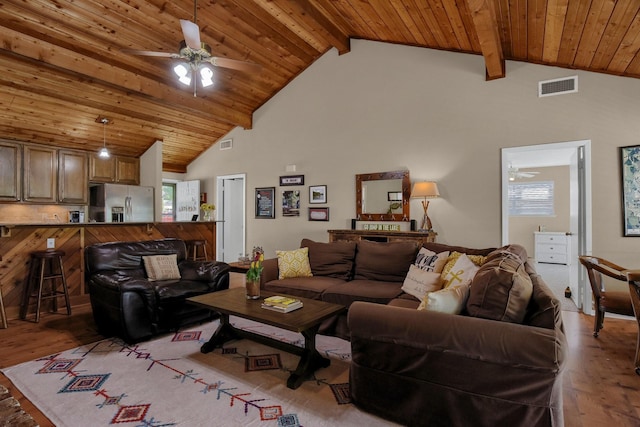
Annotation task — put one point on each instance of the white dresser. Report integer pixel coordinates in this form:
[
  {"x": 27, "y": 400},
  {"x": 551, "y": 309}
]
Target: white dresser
[{"x": 552, "y": 247}]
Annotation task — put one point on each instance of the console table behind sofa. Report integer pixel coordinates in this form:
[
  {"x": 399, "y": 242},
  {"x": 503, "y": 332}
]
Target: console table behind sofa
[{"x": 419, "y": 237}]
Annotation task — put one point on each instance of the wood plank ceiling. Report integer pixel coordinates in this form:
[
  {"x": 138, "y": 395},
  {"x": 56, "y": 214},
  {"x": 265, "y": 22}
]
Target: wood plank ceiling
[{"x": 62, "y": 65}]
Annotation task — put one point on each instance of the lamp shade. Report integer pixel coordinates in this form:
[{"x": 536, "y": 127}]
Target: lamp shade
[{"x": 425, "y": 189}]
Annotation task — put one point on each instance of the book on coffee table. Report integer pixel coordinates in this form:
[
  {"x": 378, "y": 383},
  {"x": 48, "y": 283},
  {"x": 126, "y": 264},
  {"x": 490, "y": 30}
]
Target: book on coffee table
[{"x": 281, "y": 304}]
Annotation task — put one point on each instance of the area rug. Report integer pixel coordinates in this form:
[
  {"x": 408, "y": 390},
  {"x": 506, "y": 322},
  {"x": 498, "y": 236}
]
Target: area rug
[{"x": 169, "y": 382}]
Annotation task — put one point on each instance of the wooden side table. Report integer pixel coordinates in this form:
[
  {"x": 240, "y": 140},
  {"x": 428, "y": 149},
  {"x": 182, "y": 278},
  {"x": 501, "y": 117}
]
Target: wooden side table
[{"x": 239, "y": 267}]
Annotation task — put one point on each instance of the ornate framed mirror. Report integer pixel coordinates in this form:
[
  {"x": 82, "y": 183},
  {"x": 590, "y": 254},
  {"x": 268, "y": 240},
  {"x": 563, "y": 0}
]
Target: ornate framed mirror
[{"x": 377, "y": 196}]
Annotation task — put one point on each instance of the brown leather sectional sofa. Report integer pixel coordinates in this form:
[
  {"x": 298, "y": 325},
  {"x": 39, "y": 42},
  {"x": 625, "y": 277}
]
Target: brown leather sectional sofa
[{"x": 417, "y": 367}]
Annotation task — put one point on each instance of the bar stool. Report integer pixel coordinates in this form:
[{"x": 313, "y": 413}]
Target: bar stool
[
  {"x": 43, "y": 268},
  {"x": 197, "y": 250},
  {"x": 3, "y": 314}
]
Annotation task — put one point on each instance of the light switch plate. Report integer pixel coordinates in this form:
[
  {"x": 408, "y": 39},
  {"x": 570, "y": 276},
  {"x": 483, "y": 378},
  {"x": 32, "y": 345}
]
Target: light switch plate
[{"x": 51, "y": 243}]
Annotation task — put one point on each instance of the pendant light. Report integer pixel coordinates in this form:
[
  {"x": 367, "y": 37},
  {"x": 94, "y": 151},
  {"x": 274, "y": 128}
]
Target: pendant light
[{"x": 104, "y": 153}]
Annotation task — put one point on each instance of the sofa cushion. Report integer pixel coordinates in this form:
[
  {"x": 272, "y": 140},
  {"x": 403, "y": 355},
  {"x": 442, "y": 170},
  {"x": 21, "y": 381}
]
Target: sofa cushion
[
  {"x": 333, "y": 259},
  {"x": 161, "y": 267},
  {"x": 441, "y": 247},
  {"x": 379, "y": 292},
  {"x": 386, "y": 262},
  {"x": 293, "y": 263},
  {"x": 306, "y": 287},
  {"x": 501, "y": 289},
  {"x": 418, "y": 282},
  {"x": 449, "y": 300}
]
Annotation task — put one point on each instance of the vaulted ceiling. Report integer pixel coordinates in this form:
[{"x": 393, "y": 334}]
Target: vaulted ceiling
[{"x": 62, "y": 63}]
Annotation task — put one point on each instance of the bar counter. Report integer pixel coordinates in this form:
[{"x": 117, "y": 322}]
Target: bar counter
[{"x": 17, "y": 241}]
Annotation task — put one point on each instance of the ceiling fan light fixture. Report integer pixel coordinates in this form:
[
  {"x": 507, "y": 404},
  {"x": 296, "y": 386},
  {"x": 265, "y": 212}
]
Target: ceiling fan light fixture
[
  {"x": 183, "y": 73},
  {"x": 206, "y": 76}
]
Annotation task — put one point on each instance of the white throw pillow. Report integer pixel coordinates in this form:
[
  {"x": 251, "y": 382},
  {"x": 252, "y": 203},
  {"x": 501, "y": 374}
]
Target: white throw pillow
[
  {"x": 449, "y": 300},
  {"x": 464, "y": 269},
  {"x": 418, "y": 282},
  {"x": 431, "y": 261}
]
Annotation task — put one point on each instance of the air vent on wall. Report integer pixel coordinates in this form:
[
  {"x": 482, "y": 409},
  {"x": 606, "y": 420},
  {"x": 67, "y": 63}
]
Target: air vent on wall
[
  {"x": 558, "y": 86},
  {"x": 227, "y": 144}
]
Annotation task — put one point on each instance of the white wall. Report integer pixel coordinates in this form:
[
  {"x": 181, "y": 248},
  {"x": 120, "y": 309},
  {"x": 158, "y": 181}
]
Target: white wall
[
  {"x": 385, "y": 107},
  {"x": 151, "y": 175}
]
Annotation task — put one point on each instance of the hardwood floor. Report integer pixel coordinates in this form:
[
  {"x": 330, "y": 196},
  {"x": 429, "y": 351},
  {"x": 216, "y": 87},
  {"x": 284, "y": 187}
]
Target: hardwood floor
[{"x": 600, "y": 385}]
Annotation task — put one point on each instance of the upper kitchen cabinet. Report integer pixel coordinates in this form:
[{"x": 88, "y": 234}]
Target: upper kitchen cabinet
[
  {"x": 115, "y": 169},
  {"x": 101, "y": 169},
  {"x": 10, "y": 171},
  {"x": 40, "y": 174},
  {"x": 127, "y": 170},
  {"x": 72, "y": 177}
]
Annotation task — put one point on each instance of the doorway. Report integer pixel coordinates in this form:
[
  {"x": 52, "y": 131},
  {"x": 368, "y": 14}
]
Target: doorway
[
  {"x": 230, "y": 198},
  {"x": 577, "y": 156}
]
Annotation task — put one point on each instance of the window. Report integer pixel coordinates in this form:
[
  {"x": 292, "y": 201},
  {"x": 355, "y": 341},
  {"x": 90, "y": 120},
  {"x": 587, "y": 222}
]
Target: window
[
  {"x": 168, "y": 202},
  {"x": 531, "y": 198}
]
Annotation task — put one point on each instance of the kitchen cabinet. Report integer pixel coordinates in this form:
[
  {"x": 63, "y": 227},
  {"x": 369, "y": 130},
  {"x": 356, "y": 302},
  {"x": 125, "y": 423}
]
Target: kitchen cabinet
[
  {"x": 127, "y": 170},
  {"x": 115, "y": 169},
  {"x": 40, "y": 174},
  {"x": 10, "y": 171},
  {"x": 102, "y": 170},
  {"x": 72, "y": 177},
  {"x": 552, "y": 247}
]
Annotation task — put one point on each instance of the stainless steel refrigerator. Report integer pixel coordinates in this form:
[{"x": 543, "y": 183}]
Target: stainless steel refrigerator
[{"x": 121, "y": 203}]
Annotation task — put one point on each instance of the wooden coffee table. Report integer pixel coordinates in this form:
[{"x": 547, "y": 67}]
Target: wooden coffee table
[{"x": 307, "y": 320}]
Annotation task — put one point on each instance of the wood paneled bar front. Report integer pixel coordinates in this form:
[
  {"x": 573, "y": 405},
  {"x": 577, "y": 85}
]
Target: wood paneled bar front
[{"x": 17, "y": 241}]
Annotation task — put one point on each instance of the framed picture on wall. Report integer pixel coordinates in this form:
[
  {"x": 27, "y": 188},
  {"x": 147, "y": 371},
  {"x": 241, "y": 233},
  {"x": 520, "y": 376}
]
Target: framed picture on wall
[
  {"x": 317, "y": 194},
  {"x": 291, "y": 203},
  {"x": 291, "y": 180},
  {"x": 318, "y": 214},
  {"x": 630, "y": 165},
  {"x": 265, "y": 202}
]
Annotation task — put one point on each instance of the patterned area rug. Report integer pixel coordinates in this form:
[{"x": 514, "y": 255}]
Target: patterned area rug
[{"x": 169, "y": 382}]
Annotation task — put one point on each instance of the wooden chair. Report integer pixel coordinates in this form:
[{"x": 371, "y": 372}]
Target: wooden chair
[
  {"x": 606, "y": 301},
  {"x": 634, "y": 291}
]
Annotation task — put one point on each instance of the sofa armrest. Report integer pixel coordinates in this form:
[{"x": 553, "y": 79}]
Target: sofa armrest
[
  {"x": 481, "y": 340},
  {"x": 269, "y": 272}
]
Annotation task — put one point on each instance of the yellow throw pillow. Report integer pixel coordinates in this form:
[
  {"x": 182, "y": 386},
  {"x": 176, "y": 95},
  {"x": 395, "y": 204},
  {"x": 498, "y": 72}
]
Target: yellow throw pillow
[
  {"x": 461, "y": 270},
  {"x": 450, "y": 300},
  {"x": 161, "y": 267},
  {"x": 418, "y": 282},
  {"x": 293, "y": 263}
]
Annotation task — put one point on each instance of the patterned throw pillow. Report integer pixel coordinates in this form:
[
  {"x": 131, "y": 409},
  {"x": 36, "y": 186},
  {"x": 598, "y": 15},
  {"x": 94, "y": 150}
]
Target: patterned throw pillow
[
  {"x": 161, "y": 267},
  {"x": 293, "y": 263},
  {"x": 418, "y": 282},
  {"x": 450, "y": 300},
  {"x": 459, "y": 271},
  {"x": 451, "y": 260},
  {"x": 430, "y": 261}
]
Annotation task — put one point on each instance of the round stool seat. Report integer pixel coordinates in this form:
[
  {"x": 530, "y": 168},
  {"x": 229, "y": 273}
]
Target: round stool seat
[
  {"x": 51, "y": 253},
  {"x": 197, "y": 249}
]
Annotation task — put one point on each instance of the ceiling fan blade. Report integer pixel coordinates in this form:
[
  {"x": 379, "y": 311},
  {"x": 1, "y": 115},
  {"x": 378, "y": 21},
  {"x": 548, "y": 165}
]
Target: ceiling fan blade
[
  {"x": 191, "y": 33},
  {"x": 150, "y": 53},
  {"x": 235, "y": 64}
]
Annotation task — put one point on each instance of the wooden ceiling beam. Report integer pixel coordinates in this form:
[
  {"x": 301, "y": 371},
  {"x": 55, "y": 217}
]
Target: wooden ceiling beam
[
  {"x": 486, "y": 26},
  {"x": 334, "y": 27}
]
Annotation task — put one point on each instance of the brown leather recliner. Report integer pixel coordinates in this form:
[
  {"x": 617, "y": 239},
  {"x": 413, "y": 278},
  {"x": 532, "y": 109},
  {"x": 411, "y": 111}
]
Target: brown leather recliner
[{"x": 127, "y": 304}]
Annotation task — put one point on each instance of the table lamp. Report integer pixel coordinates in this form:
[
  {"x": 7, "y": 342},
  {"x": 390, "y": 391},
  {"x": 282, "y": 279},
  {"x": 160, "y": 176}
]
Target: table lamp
[{"x": 426, "y": 190}]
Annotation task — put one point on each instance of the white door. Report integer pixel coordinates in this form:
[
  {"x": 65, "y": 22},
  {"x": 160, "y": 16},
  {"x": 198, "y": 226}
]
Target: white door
[{"x": 231, "y": 208}]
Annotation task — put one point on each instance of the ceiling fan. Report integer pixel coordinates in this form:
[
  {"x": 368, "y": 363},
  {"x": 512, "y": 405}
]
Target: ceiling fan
[
  {"x": 195, "y": 56},
  {"x": 514, "y": 173}
]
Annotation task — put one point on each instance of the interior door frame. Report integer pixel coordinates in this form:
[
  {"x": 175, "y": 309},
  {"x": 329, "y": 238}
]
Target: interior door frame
[{"x": 581, "y": 206}]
